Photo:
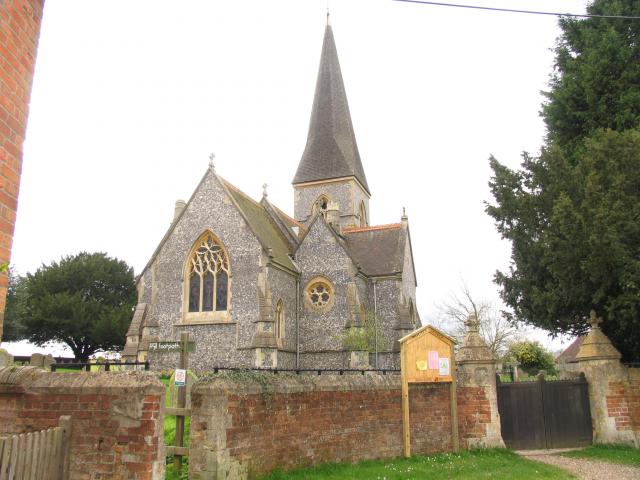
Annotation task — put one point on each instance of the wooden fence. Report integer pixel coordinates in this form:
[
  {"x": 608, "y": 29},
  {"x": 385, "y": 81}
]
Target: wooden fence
[{"x": 42, "y": 455}]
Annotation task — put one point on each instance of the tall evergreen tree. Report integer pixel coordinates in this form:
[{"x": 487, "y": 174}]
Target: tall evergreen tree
[
  {"x": 85, "y": 301},
  {"x": 573, "y": 213}
]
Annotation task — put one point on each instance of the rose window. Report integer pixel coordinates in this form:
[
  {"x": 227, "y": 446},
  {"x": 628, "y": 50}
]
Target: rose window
[{"x": 319, "y": 294}]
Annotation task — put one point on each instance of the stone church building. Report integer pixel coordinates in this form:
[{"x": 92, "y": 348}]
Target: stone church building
[{"x": 257, "y": 288}]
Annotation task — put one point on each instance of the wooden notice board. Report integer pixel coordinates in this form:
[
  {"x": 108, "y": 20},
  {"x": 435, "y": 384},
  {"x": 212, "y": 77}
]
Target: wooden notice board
[{"x": 426, "y": 356}]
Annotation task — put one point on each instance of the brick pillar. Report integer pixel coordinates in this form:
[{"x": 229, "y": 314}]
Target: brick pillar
[
  {"x": 478, "y": 417},
  {"x": 609, "y": 387},
  {"x": 19, "y": 31}
]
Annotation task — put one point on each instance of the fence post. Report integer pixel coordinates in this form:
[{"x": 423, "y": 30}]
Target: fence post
[{"x": 65, "y": 423}]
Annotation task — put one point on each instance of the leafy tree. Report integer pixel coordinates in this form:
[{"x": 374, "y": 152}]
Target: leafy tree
[
  {"x": 572, "y": 214},
  {"x": 495, "y": 328},
  {"x": 575, "y": 235},
  {"x": 596, "y": 80},
  {"x": 531, "y": 357},
  {"x": 15, "y": 308},
  {"x": 364, "y": 338},
  {"x": 84, "y": 301}
]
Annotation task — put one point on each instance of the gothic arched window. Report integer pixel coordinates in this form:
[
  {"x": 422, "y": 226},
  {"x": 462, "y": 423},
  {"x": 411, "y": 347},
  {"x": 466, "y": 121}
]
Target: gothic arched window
[
  {"x": 363, "y": 215},
  {"x": 279, "y": 320},
  {"x": 207, "y": 277},
  {"x": 320, "y": 205}
]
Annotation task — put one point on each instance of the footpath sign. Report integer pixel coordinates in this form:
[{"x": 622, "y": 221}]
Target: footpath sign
[
  {"x": 426, "y": 356},
  {"x": 170, "y": 347}
]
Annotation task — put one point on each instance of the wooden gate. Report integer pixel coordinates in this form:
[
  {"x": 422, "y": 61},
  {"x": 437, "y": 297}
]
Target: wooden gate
[
  {"x": 42, "y": 455},
  {"x": 545, "y": 414}
]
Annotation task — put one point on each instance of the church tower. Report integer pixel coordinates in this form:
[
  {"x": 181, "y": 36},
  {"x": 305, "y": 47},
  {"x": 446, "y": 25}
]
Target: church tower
[{"x": 330, "y": 177}]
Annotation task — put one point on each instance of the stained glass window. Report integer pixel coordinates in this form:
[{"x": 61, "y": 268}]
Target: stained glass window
[
  {"x": 221, "y": 293},
  {"x": 208, "y": 276},
  {"x": 319, "y": 294}
]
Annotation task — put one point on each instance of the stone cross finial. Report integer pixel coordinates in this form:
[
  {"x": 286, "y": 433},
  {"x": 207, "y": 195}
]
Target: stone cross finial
[
  {"x": 472, "y": 323},
  {"x": 212, "y": 157},
  {"x": 594, "y": 320},
  {"x": 264, "y": 189}
]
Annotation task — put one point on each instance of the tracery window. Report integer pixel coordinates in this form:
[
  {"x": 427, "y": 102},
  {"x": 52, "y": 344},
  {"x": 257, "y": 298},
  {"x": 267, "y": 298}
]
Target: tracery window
[
  {"x": 280, "y": 320},
  {"x": 208, "y": 274},
  {"x": 319, "y": 294}
]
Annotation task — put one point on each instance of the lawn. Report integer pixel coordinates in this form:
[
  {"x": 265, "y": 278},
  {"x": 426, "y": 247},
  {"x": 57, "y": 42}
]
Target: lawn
[
  {"x": 476, "y": 464},
  {"x": 609, "y": 453}
]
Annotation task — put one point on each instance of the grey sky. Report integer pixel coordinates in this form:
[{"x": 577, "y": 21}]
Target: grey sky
[{"x": 130, "y": 98}]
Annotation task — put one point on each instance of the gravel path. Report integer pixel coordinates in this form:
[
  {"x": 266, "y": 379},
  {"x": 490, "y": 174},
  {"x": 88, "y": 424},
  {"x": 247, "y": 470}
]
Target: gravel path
[{"x": 585, "y": 469}]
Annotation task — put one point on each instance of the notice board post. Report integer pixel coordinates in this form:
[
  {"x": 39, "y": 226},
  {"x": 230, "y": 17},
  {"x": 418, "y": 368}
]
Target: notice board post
[{"x": 427, "y": 356}]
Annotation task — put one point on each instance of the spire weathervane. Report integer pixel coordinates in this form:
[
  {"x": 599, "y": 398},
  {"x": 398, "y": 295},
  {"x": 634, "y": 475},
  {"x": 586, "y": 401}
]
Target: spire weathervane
[
  {"x": 264, "y": 190},
  {"x": 327, "y": 12},
  {"x": 212, "y": 157}
]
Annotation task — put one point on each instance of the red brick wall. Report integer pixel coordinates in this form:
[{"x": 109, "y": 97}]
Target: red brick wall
[
  {"x": 305, "y": 421},
  {"x": 474, "y": 412},
  {"x": 618, "y": 405},
  {"x": 634, "y": 398},
  {"x": 19, "y": 31},
  {"x": 117, "y": 419}
]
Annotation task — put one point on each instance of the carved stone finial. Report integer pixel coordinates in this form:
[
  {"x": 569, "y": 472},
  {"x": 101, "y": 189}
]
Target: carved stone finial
[
  {"x": 264, "y": 190},
  {"x": 212, "y": 157},
  {"x": 472, "y": 323},
  {"x": 594, "y": 320}
]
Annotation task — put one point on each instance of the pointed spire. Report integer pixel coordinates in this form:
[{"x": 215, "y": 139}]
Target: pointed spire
[{"x": 331, "y": 150}]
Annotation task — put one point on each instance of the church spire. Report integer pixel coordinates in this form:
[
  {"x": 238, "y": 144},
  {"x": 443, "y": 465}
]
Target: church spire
[{"x": 331, "y": 150}]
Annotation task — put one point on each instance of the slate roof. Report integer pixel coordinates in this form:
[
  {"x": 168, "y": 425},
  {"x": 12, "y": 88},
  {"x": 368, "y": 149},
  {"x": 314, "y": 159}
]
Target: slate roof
[
  {"x": 379, "y": 250},
  {"x": 569, "y": 354},
  {"x": 263, "y": 226},
  {"x": 331, "y": 150}
]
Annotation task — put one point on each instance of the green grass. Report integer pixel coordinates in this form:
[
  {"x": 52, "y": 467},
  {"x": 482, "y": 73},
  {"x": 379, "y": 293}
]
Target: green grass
[
  {"x": 169, "y": 438},
  {"x": 476, "y": 464},
  {"x": 609, "y": 453}
]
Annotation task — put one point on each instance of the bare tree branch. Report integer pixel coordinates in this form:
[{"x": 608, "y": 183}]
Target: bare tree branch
[{"x": 495, "y": 328}]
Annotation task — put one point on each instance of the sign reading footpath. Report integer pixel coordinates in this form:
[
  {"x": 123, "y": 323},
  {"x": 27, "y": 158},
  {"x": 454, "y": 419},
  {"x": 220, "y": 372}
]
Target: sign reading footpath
[
  {"x": 170, "y": 347},
  {"x": 426, "y": 356}
]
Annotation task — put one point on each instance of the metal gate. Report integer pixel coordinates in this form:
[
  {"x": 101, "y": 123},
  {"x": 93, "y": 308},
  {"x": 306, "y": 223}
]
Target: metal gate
[{"x": 545, "y": 414}]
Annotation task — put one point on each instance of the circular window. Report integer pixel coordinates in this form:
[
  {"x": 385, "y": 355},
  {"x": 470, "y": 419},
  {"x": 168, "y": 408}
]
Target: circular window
[{"x": 319, "y": 294}]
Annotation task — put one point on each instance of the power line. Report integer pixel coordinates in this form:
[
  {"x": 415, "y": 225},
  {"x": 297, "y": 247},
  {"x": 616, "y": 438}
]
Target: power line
[{"x": 510, "y": 10}]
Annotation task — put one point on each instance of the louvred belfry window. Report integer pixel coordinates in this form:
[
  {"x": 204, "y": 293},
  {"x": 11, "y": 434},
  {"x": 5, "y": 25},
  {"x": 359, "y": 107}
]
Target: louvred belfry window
[{"x": 208, "y": 277}]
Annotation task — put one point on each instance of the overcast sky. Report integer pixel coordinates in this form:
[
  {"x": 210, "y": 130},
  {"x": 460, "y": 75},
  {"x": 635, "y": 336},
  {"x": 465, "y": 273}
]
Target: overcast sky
[{"x": 130, "y": 98}]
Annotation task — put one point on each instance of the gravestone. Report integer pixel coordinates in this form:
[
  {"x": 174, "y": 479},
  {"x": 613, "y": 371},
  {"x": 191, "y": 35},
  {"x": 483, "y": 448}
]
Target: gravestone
[
  {"x": 37, "y": 360},
  {"x": 6, "y": 359}
]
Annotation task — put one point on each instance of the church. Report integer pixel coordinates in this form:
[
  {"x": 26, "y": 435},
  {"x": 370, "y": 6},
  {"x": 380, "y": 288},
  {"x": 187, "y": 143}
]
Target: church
[{"x": 257, "y": 288}]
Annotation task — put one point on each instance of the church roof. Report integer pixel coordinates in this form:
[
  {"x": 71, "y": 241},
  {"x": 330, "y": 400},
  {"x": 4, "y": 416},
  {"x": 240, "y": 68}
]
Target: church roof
[
  {"x": 379, "y": 250},
  {"x": 331, "y": 150},
  {"x": 258, "y": 219},
  {"x": 262, "y": 226},
  {"x": 569, "y": 354}
]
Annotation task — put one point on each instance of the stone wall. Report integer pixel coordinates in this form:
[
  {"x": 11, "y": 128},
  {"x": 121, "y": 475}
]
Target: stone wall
[
  {"x": 614, "y": 389},
  {"x": 243, "y": 428},
  {"x": 117, "y": 418},
  {"x": 19, "y": 31}
]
